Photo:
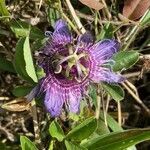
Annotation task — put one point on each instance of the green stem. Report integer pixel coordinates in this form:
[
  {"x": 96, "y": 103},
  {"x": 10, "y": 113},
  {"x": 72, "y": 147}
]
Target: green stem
[
  {"x": 35, "y": 123},
  {"x": 132, "y": 35},
  {"x": 98, "y": 103}
]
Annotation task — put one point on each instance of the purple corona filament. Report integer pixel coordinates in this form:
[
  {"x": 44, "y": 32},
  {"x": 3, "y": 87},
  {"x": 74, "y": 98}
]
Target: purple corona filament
[{"x": 69, "y": 68}]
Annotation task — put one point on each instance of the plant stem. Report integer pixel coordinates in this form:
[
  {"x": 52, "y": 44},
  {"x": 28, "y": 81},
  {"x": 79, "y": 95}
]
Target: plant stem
[
  {"x": 119, "y": 113},
  {"x": 138, "y": 100},
  {"x": 108, "y": 14},
  {"x": 67, "y": 19},
  {"x": 98, "y": 103},
  {"x": 130, "y": 38},
  {"x": 35, "y": 122},
  {"x": 73, "y": 13}
]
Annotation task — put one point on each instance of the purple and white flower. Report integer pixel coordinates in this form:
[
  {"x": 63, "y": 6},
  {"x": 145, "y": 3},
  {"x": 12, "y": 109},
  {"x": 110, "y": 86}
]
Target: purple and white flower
[{"x": 70, "y": 66}]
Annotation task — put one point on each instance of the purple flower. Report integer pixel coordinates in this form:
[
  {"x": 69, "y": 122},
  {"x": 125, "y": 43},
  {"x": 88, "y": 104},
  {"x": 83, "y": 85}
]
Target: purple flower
[{"x": 71, "y": 65}]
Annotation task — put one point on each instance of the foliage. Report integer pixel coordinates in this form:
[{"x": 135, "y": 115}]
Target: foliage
[{"x": 82, "y": 131}]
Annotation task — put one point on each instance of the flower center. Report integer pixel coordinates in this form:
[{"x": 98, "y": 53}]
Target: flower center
[{"x": 73, "y": 66}]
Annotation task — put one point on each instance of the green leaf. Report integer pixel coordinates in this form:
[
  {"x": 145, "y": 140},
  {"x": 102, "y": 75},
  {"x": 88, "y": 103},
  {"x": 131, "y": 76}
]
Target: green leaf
[
  {"x": 19, "y": 61},
  {"x": 73, "y": 146},
  {"x": 125, "y": 60},
  {"x": 23, "y": 61},
  {"x": 118, "y": 140},
  {"x": 112, "y": 123},
  {"x": 83, "y": 130},
  {"x": 3, "y": 9},
  {"x": 93, "y": 95},
  {"x": 38, "y": 44},
  {"x": 36, "y": 33},
  {"x": 20, "y": 91},
  {"x": 74, "y": 117},
  {"x": 146, "y": 19},
  {"x": 102, "y": 128},
  {"x": 53, "y": 15},
  {"x": 23, "y": 29},
  {"x": 56, "y": 131},
  {"x": 114, "y": 126},
  {"x": 2, "y": 146},
  {"x": 28, "y": 60},
  {"x": 115, "y": 91},
  {"x": 40, "y": 72},
  {"x": 106, "y": 32},
  {"x": 6, "y": 65},
  {"x": 26, "y": 144},
  {"x": 51, "y": 145}
]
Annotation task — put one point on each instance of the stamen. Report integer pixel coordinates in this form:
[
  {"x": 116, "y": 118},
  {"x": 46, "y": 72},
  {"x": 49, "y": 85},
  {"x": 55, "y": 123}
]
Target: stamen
[
  {"x": 68, "y": 69},
  {"x": 79, "y": 70},
  {"x": 81, "y": 55},
  {"x": 65, "y": 59},
  {"x": 78, "y": 80},
  {"x": 58, "y": 69},
  {"x": 72, "y": 60},
  {"x": 70, "y": 48},
  {"x": 75, "y": 56},
  {"x": 84, "y": 69}
]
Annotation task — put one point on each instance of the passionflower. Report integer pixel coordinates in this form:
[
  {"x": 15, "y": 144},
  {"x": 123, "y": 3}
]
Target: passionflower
[{"x": 71, "y": 65}]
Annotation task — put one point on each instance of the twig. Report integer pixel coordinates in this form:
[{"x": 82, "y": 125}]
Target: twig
[
  {"x": 85, "y": 16},
  {"x": 9, "y": 135},
  {"x": 96, "y": 22},
  {"x": 40, "y": 4},
  {"x": 107, "y": 102},
  {"x": 67, "y": 19},
  {"x": 138, "y": 100},
  {"x": 23, "y": 125},
  {"x": 35, "y": 122},
  {"x": 104, "y": 112},
  {"x": 147, "y": 56},
  {"x": 132, "y": 74},
  {"x": 98, "y": 104},
  {"x": 71, "y": 24},
  {"x": 106, "y": 10},
  {"x": 132, "y": 34},
  {"x": 91, "y": 18},
  {"x": 132, "y": 87},
  {"x": 73, "y": 13},
  {"x": 119, "y": 113},
  {"x": 4, "y": 98},
  {"x": 88, "y": 99}
]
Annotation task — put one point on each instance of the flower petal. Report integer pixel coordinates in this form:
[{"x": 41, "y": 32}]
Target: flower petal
[
  {"x": 53, "y": 101},
  {"x": 86, "y": 38},
  {"x": 58, "y": 39},
  {"x": 104, "y": 49},
  {"x": 85, "y": 41},
  {"x": 61, "y": 34},
  {"x": 105, "y": 74},
  {"x": 60, "y": 24},
  {"x": 74, "y": 99}
]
